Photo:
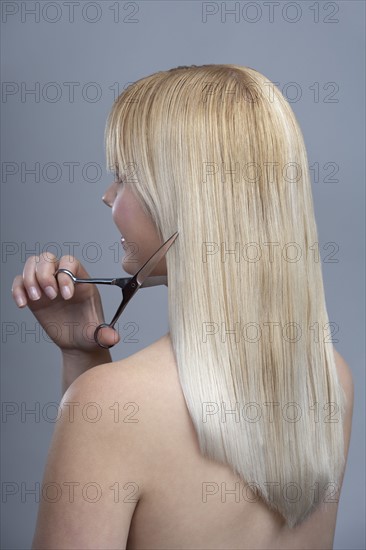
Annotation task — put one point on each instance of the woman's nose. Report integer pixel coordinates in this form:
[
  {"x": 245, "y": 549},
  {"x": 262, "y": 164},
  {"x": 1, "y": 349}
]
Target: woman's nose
[{"x": 109, "y": 195}]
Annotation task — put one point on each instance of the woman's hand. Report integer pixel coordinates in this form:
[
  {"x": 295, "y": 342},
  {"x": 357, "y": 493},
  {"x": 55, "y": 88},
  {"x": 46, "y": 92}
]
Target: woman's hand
[{"x": 69, "y": 317}]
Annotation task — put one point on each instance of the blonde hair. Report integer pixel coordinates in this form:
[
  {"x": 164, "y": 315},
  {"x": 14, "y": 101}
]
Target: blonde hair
[{"x": 215, "y": 153}]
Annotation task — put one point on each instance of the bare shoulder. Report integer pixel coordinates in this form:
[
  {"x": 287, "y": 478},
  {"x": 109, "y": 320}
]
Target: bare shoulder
[
  {"x": 151, "y": 369},
  {"x": 346, "y": 380},
  {"x": 136, "y": 394},
  {"x": 345, "y": 376},
  {"x": 131, "y": 393},
  {"x": 137, "y": 373},
  {"x": 148, "y": 380}
]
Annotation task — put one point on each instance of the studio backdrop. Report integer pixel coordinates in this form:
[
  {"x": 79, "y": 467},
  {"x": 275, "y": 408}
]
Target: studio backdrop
[{"x": 62, "y": 66}]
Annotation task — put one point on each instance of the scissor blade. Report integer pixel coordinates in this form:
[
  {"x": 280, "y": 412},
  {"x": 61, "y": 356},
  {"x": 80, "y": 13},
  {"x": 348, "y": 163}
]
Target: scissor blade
[
  {"x": 155, "y": 281},
  {"x": 148, "y": 267}
]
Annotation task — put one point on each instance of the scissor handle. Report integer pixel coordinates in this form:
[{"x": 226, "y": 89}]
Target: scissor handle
[
  {"x": 97, "y": 281},
  {"x": 129, "y": 286}
]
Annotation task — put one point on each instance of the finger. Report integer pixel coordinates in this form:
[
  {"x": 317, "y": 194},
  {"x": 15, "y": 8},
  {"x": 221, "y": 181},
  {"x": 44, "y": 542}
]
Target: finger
[
  {"x": 29, "y": 278},
  {"x": 18, "y": 291},
  {"x": 45, "y": 269},
  {"x": 64, "y": 281}
]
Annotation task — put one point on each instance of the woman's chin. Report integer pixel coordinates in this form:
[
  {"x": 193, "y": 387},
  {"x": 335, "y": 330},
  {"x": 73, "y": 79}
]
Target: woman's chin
[{"x": 130, "y": 267}]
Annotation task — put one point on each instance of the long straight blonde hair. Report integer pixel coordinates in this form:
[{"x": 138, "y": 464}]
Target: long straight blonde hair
[{"x": 215, "y": 152}]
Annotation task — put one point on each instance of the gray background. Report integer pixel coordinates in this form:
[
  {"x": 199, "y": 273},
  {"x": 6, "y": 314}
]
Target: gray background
[{"x": 300, "y": 56}]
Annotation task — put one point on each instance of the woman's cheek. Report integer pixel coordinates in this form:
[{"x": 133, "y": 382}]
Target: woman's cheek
[
  {"x": 120, "y": 213},
  {"x": 141, "y": 239}
]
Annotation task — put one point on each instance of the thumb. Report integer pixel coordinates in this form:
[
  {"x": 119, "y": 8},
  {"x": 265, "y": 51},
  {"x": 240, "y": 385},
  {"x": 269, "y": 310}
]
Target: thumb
[{"x": 108, "y": 336}]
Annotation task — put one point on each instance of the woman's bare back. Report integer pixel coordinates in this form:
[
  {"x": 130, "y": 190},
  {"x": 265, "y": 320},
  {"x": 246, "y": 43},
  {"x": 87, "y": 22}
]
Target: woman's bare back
[{"x": 190, "y": 502}]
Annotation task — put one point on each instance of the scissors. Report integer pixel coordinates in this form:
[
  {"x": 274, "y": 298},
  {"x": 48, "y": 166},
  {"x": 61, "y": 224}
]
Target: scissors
[{"x": 129, "y": 285}]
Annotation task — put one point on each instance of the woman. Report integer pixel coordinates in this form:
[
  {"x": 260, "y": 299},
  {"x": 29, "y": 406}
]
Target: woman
[{"x": 241, "y": 414}]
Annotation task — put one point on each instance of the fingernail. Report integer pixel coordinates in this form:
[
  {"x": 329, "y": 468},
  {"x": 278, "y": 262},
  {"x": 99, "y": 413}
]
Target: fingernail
[
  {"x": 35, "y": 295},
  {"x": 51, "y": 292},
  {"x": 20, "y": 301},
  {"x": 66, "y": 292}
]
